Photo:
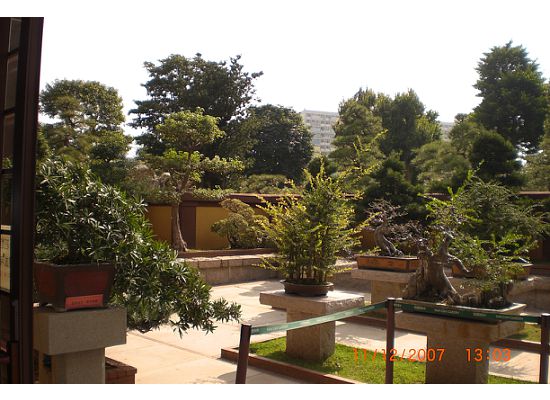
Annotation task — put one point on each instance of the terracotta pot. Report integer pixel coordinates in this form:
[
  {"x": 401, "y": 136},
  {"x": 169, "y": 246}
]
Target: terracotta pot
[
  {"x": 72, "y": 287},
  {"x": 307, "y": 290}
]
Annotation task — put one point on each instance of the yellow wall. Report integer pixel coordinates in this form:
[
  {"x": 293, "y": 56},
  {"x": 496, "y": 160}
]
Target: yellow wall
[
  {"x": 206, "y": 239},
  {"x": 160, "y": 218}
]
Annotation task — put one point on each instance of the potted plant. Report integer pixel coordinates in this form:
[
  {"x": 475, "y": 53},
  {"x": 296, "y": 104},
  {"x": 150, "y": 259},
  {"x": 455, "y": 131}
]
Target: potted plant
[
  {"x": 386, "y": 256},
  {"x": 453, "y": 241},
  {"x": 79, "y": 219},
  {"x": 75, "y": 262},
  {"x": 310, "y": 232}
]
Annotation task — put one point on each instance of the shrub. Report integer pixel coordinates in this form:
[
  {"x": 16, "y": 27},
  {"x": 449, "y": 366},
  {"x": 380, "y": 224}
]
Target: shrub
[
  {"x": 309, "y": 232},
  {"x": 242, "y": 227},
  {"x": 81, "y": 220}
]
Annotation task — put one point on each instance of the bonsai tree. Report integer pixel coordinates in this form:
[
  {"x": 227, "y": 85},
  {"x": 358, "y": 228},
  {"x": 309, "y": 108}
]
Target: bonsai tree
[
  {"x": 81, "y": 220},
  {"x": 242, "y": 227},
  {"x": 383, "y": 218},
  {"x": 310, "y": 231},
  {"x": 486, "y": 232}
]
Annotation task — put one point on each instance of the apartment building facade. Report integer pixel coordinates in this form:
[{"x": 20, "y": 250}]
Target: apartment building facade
[{"x": 320, "y": 124}]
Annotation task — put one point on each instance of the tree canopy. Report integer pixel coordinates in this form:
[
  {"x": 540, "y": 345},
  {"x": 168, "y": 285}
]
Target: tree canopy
[
  {"x": 403, "y": 119},
  {"x": 222, "y": 89},
  {"x": 514, "y": 102},
  {"x": 282, "y": 143},
  {"x": 86, "y": 126},
  {"x": 496, "y": 159}
]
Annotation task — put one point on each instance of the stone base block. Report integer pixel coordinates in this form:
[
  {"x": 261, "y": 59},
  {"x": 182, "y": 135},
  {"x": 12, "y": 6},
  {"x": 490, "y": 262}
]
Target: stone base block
[
  {"x": 384, "y": 284},
  {"x": 455, "y": 338},
  {"x": 85, "y": 367},
  {"x": 75, "y": 342},
  {"x": 315, "y": 343}
]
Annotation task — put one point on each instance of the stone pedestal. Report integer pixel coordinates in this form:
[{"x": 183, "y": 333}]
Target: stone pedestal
[
  {"x": 455, "y": 336},
  {"x": 75, "y": 342},
  {"x": 315, "y": 343},
  {"x": 384, "y": 284}
]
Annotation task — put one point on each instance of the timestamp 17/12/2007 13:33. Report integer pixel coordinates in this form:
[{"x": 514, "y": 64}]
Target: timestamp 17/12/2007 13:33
[{"x": 436, "y": 354}]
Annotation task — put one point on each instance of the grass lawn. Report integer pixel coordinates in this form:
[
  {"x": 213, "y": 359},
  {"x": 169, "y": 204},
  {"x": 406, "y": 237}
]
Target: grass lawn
[
  {"x": 367, "y": 368},
  {"x": 530, "y": 332}
]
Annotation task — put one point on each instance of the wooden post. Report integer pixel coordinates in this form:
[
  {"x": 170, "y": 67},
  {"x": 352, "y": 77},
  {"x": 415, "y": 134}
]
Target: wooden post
[
  {"x": 544, "y": 341},
  {"x": 244, "y": 347},
  {"x": 390, "y": 338}
]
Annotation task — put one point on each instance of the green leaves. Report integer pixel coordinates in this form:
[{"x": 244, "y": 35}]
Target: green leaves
[
  {"x": 242, "y": 227},
  {"x": 309, "y": 232},
  {"x": 81, "y": 220},
  {"x": 514, "y": 102}
]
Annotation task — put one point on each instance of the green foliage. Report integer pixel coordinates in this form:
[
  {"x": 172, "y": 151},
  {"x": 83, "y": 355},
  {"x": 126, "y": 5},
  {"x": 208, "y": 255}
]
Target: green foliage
[
  {"x": 188, "y": 130},
  {"x": 316, "y": 162},
  {"x": 358, "y": 125},
  {"x": 87, "y": 127},
  {"x": 222, "y": 89},
  {"x": 463, "y": 134},
  {"x": 492, "y": 232},
  {"x": 440, "y": 166},
  {"x": 182, "y": 167},
  {"x": 179, "y": 172},
  {"x": 374, "y": 126},
  {"x": 310, "y": 231},
  {"x": 514, "y": 102},
  {"x": 83, "y": 111},
  {"x": 266, "y": 183},
  {"x": 81, "y": 220},
  {"x": 495, "y": 159},
  {"x": 108, "y": 157},
  {"x": 282, "y": 143},
  {"x": 409, "y": 126},
  {"x": 537, "y": 169},
  {"x": 243, "y": 227},
  {"x": 389, "y": 181}
]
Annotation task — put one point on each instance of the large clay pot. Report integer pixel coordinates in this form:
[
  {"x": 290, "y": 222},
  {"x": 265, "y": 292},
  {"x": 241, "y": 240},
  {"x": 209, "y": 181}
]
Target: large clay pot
[
  {"x": 71, "y": 287},
  {"x": 307, "y": 290}
]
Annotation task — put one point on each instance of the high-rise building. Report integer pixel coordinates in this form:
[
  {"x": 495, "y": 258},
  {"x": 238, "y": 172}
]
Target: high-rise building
[{"x": 320, "y": 123}]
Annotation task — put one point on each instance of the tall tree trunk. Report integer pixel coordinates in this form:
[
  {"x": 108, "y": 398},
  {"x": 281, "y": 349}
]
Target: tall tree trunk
[{"x": 177, "y": 239}]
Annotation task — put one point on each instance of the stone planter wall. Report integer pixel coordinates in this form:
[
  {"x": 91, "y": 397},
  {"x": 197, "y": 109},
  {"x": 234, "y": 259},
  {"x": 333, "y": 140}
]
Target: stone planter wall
[{"x": 232, "y": 269}]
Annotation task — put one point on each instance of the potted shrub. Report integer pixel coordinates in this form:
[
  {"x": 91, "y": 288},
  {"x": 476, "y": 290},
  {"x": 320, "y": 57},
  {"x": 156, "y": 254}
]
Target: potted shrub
[
  {"x": 79, "y": 219},
  {"x": 309, "y": 233},
  {"x": 386, "y": 255},
  {"x": 453, "y": 241},
  {"x": 75, "y": 235},
  {"x": 499, "y": 226}
]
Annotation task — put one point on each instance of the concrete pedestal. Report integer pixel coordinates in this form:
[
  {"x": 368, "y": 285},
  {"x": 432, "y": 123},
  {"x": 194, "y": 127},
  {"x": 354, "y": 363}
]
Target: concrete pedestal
[
  {"x": 75, "y": 342},
  {"x": 315, "y": 343},
  {"x": 384, "y": 284},
  {"x": 455, "y": 337}
]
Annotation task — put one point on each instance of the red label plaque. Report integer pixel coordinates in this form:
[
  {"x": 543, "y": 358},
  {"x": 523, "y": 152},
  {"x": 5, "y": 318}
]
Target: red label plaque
[{"x": 95, "y": 300}]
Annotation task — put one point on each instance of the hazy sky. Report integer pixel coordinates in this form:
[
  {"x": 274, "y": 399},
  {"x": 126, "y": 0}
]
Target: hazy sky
[{"x": 314, "y": 54}]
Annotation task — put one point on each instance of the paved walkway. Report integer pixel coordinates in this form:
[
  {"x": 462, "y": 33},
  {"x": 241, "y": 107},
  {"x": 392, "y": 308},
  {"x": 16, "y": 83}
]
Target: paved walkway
[{"x": 162, "y": 356}]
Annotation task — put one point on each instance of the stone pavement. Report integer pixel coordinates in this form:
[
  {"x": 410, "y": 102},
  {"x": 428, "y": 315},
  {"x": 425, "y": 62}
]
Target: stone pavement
[{"x": 162, "y": 356}]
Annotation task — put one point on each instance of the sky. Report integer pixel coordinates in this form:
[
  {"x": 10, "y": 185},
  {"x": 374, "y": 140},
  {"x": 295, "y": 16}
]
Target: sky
[{"x": 314, "y": 54}]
